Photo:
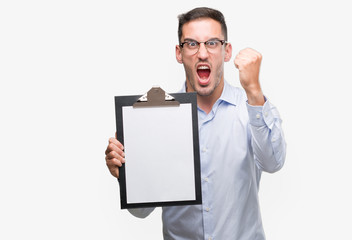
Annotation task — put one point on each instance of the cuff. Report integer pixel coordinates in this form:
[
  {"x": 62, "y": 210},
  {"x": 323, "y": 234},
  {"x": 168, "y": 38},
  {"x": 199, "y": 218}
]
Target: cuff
[{"x": 261, "y": 115}]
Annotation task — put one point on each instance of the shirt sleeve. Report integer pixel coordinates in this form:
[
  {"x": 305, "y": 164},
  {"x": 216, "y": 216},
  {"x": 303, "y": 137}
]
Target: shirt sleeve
[
  {"x": 141, "y": 212},
  {"x": 268, "y": 142}
]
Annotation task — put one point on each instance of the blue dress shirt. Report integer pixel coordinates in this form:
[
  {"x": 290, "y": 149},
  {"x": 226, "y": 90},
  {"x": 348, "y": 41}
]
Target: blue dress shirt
[{"x": 237, "y": 142}]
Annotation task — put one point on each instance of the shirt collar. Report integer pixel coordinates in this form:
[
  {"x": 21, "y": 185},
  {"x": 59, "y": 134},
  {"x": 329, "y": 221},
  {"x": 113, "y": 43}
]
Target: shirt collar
[{"x": 228, "y": 95}]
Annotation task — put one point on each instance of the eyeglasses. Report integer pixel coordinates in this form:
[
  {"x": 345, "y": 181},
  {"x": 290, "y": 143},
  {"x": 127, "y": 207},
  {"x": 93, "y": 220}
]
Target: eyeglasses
[{"x": 191, "y": 47}]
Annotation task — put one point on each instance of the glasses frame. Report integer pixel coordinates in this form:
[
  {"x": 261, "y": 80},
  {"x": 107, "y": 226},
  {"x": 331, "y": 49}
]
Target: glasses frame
[{"x": 205, "y": 43}]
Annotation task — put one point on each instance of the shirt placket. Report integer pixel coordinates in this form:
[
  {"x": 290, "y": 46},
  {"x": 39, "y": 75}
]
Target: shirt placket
[{"x": 208, "y": 223}]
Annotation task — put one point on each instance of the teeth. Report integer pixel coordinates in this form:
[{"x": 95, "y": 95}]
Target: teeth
[{"x": 203, "y": 67}]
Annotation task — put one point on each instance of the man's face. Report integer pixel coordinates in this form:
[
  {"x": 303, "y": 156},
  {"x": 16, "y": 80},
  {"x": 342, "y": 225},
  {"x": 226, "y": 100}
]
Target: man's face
[{"x": 205, "y": 68}]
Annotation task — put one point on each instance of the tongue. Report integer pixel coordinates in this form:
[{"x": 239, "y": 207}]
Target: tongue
[{"x": 203, "y": 73}]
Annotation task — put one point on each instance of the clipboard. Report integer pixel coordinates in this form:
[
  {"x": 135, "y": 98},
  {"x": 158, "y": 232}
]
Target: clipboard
[{"x": 159, "y": 132}]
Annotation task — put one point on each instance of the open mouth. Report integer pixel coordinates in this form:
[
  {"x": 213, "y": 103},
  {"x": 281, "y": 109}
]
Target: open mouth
[{"x": 203, "y": 72}]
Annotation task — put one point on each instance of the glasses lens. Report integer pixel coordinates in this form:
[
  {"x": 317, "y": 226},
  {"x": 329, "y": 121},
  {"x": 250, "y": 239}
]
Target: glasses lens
[
  {"x": 192, "y": 47},
  {"x": 213, "y": 46}
]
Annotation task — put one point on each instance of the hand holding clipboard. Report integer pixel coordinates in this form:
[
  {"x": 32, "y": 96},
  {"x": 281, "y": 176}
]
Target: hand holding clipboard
[{"x": 159, "y": 134}]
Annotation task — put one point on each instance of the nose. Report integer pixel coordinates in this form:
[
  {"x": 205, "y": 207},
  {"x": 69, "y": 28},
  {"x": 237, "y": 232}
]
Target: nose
[{"x": 202, "y": 51}]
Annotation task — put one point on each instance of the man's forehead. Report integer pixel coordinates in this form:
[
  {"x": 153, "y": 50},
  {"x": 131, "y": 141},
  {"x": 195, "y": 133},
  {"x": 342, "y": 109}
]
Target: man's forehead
[
  {"x": 202, "y": 28},
  {"x": 202, "y": 22}
]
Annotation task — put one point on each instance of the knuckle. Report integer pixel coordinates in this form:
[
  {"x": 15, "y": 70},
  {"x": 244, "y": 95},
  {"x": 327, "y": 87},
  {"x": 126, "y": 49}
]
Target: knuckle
[
  {"x": 117, "y": 162},
  {"x": 119, "y": 144},
  {"x": 108, "y": 149},
  {"x": 110, "y": 162},
  {"x": 116, "y": 154},
  {"x": 109, "y": 155},
  {"x": 113, "y": 163}
]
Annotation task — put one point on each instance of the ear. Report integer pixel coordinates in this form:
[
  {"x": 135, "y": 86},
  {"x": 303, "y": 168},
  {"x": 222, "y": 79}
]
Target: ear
[
  {"x": 178, "y": 54},
  {"x": 228, "y": 52}
]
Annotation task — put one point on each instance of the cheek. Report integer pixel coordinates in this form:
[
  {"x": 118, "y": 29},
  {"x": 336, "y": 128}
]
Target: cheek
[
  {"x": 188, "y": 66},
  {"x": 187, "y": 62},
  {"x": 188, "y": 72},
  {"x": 219, "y": 70}
]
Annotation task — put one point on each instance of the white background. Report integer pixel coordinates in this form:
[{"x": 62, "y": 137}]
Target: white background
[{"x": 62, "y": 63}]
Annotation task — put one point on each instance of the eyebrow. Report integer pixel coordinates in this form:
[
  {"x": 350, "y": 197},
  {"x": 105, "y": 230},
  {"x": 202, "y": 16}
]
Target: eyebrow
[{"x": 190, "y": 39}]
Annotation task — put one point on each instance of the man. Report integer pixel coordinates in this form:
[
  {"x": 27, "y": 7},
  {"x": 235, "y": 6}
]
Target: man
[{"x": 239, "y": 134}]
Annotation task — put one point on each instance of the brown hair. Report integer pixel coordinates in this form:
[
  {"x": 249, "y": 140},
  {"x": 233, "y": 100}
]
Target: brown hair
[{"x": 202, "y": 12}]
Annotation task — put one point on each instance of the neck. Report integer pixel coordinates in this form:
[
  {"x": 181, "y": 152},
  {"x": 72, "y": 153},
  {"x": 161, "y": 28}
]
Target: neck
[{"x": 206, "y": 102}]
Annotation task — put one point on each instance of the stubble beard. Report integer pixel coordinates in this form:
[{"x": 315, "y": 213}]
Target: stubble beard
[{"x": 204, "y": 91}]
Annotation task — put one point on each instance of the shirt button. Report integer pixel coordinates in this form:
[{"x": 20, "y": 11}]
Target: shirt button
[
  {"x": 209, "y": 238},
  {"x": 266, "y": 114},
  {"x": 206, "y": 179},
  {"x": 204, "y": 150},
  {"x": 257, "y": 116},
  {"x": 207, "y": 209}
]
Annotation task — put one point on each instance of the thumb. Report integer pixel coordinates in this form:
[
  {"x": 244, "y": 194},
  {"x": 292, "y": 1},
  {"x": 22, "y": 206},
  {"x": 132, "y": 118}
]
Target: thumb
[{"x": 236, "y": 62}]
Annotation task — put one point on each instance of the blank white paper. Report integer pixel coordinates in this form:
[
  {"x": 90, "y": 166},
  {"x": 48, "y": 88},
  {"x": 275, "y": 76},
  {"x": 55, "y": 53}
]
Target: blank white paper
[{"x": 158, "y": 145}]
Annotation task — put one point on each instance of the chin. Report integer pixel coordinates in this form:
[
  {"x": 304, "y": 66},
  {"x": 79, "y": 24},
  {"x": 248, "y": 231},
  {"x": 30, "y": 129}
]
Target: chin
[{"x": 204, "y": 91}]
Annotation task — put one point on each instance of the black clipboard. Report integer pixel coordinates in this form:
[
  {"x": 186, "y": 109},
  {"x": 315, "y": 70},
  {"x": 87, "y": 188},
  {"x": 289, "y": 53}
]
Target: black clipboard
[{"x": 167, "y": 174}]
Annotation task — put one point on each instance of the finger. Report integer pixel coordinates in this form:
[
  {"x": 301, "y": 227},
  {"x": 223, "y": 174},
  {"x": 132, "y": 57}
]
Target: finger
[
  {"x": 114, "y": 171},
  {"x": 249, "y": 51},
  {"x": 114, "y": 167},
  {"x": 114, "y": 145},
  {"x": 114, "y": 162},
  {"x": 253, "y": 52},
  {"x": 116, "y": 142},
  {"x": 250, "y": 54},
  {"x": 115, "y": 155},
  {"x": 246, "y": 60},
  {"x": 113, "y": 148},
  {"x": 238, "y": 62}
]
